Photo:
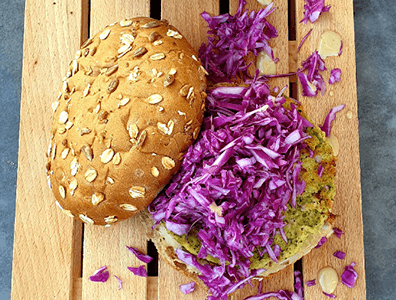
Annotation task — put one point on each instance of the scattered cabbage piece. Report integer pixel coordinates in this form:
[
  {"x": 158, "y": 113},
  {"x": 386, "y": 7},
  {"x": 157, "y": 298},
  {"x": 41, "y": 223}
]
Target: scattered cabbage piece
[
  {"x": 313, "y": 81},
  {"x": 303, "y": 40},
  {"x": 140, "y": 271},
  {"x": 321, "y": 242},
  {"x": 100, "y": 275},
  {"x": 281, "y": 295},
  {"x": 187, "y": 288},
  {"x": 142, "y": 257},
  {"x": 326, "y": 127},
  {"x": 311, "y": 282},
  {"x": 339, "y": 254},
  {"x": 298, "y": 285},
  {"x": 338, "y": 232},
  {"x": 232, "y": 38},
  {"x": 349, "y": 276},
  {"x": 329, "y": 295},
  {"x": 313, "y": 9},
  {"x": 335, "y": 76},
  {"x": 119, "y": 282}
]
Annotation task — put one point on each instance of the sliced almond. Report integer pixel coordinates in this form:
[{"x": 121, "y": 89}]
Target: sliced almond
[
  {"x": 117, "y": 158},
  {"x": 154, "y": 172},
  {"x": 127, "y": 39},
  {"x": 157, "y": 43},
  {"x": 55, "y": 105},
  {"x": 111, "y": 219},
  {"x": 74, "y": 67},
  {"x": 184, "y": 90},
  {"x": 174, "y": 34},
  {"x": 168, "y": 163},
  {"x": 69, "y": 125},
  {"x": 107, "y": 156},
  {"x": 137, "y": 192},
  {"x": 110, "y": 180},
  {"x": 86, "y": 219},
  {"x": 154, "y": 99},
  {"x": 68, "y": 213},
  {"x": 65, "y": 152},
  {"x": 112, "y": 86},
  {"x": 139, "y": 52},
  {"x": 328, "y": 279},
  {"x": 123, "y": 50},
  {"x": 133, "y": 130},
  {"x": 74, "y": 165},
  {"x": 151, "y": 24},
  {"x": 157, "y": 56},
  {"x": 86, "y": 90},
  {"x": 128, "y": 207},
  {"x": 87, "y": 43},
  {"x": 105, "y": 34},
  {"x": 62, "y": 191},
  {"x": 87, "y": 151},
  {"x": 73, "y": 185},
  {"x": 61, "y": 130},
  {"x": 91, "y": 174},
  {"x": 53, "y": 153},
  {"x": 63, "y": 117},
  {"x": 154, "y": 36},
  {"x": 126, "y": 23},
  {"x": 194, "y": 58},
  {"x": 111, "y": 70},
  {"x": 169, "y": 80},
  {"x": 172, "y": 71},
  {"x": 141, "y": 139},
  {"x": 123, "y": 102},
  {"x": 97, "y": 198},
  {"x": 196, "y": 133}
]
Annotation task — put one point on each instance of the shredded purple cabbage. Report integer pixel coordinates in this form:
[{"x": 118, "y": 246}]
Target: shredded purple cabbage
[
  {"x": 326, "y": 127},
  {"x": 339, "y": 254},
  {"x": 187, "y": 288},
  {"x": 313, "y": 9},
  {"x": 321, "y": 242},
  {"x": 335, "y": 76},
  {"x": 140, "y": 271},
  {"x": 311, "y": 282},
  {"x": 142, "y": 257},
  {"x": 231, "y": 38},
  {"x": 303, "y": 40},
  {"x": 349, "y": 276},
  {"x": 119, "y": 282},
  {"x": 100, "y": 275},
  {"x": 338, "y": 232},
  {"x": 298, "y": 286},
  {"x": 281, "y": 295},
  {"x": 329, "y": 295},
  {"x": 235, "y": 182},
  {"x": 320, "y": 170},
  {"x": 313, "y": 81}
]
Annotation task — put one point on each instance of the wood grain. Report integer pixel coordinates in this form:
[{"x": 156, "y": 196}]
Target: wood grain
[
  {"x": 107, "y": 246},
  {"x": 45, "y": 240},
  {"x": 180, "y": 13},
  {"x": 347, "y": 204}
]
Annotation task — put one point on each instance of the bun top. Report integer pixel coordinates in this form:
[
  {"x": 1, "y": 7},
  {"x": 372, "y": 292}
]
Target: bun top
[{"x": 131, "y": 104}]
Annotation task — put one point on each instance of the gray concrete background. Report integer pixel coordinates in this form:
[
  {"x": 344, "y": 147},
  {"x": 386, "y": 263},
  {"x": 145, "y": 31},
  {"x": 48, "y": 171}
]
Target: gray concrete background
[{"x": 375, "y": 27}]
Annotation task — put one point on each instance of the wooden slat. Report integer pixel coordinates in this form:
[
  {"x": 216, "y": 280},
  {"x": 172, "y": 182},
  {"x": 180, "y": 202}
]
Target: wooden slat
[
  {"x": 347, "y": 204},
  {"x": 279, "y": 18},
  {"x": 179, "y": 13},
  {"x": 45, "y": 240},
  {"x": 107, "y": 246},
  {"x": 280, "y": 45}
]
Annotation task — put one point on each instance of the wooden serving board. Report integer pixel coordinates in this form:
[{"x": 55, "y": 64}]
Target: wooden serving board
[{"x": 54, "y": 255}]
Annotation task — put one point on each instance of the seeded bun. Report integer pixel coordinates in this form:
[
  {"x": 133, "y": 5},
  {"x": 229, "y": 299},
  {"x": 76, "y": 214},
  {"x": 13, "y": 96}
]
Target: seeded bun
[{"x": 131, "y": 104}]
